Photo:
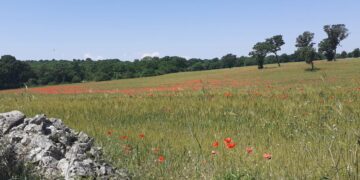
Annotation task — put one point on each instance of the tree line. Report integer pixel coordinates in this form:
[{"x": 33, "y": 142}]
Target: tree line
[
  {"x": 305, "y": 46},
  {"x": 15, "y": 73}
]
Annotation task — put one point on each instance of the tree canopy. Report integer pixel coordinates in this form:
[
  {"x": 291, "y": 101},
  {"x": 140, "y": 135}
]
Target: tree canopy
[
  {"x": 305, "y": 40},
  {"x": 274, "y": 45},
  {"x": 13, "y": 73},
  {"x": 260, "y": 50},
  {"x": 356, "y": 53},
  {"x": 326, "y": 49},
  {"x": 304, "y": 43},
  {"x": 336, "y": 33}
]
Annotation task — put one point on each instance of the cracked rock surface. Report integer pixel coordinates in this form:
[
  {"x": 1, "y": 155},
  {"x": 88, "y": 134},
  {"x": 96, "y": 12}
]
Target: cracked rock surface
[{"x": 54, "y": 150}]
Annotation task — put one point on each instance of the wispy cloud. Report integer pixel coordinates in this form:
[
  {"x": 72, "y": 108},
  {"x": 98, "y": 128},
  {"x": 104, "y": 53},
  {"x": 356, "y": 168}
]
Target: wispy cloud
[
  {"x": 89, "y": 55},
  {"x": 153, "y": 54}
]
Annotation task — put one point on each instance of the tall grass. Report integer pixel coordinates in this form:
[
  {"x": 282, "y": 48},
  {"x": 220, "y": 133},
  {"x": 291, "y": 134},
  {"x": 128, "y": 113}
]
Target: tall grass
[{"x": 308, "y": 121}]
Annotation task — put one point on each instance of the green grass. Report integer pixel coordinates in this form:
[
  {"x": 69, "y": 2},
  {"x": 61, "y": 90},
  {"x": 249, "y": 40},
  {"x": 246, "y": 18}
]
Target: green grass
[{"x": 308, "y": 121}]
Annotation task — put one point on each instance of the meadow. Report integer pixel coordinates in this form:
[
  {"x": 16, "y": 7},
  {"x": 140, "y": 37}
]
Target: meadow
[{"x": 240, "y": 123}]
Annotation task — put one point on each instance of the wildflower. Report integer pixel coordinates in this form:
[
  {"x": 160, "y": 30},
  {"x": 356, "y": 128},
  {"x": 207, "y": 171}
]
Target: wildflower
[
  {"x": 267, "y": 156},
  {"x": 213, "y": 152},
  {"x": 227, "y": 94},
  {"x": 142, "y": 135},
  {"x": 123, "y": 137},
  {"x": 231, "y": 145},
  {"x": 227, "y": 140},
  {"x": 215, "y": 144},
  {"x": 161, "y": 159},
  {"x": 249, "y": 150}
]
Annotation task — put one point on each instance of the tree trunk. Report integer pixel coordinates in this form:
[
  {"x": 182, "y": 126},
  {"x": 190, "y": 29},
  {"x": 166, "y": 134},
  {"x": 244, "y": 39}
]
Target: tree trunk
[
  {"x": 312, "y": 66},
  {"x": 277, "y": 59},
  {"x": 335, "y": 55}
]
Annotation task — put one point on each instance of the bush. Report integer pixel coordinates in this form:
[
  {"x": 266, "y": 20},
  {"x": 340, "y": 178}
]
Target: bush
[{"x": 76, "y": 79}]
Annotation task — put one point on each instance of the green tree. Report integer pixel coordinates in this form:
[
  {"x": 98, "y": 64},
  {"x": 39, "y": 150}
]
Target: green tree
[
  {"x": 343, "y": 54},
  {"x": 309, "y": 54},
  {"x": 327, "y": 49},
  {"x": 14, "y": 73},
  {"x": 229, "y": 60},
  {"x": 356, "y": 53},
  {"x": 274, "y": 45},
  {"x": 215, "y": 63},
  {"x": 240, "y": 61},
  {"x": 305, "y": 47},
  {"x": 336, "y": 33},
  {"x": 285, "y": 58},
  {"x": 305, "y": 40},
  {"x": 260, "y": 50},
  {"x": 197, "y": 67}
]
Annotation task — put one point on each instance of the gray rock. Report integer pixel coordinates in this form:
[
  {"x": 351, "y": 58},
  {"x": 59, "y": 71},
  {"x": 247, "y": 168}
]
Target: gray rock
[
  {"x": 38, "y": 119},
  {"x": 10, "y": 120},
  {"x": 56, "y": 150},
  {"x": 32, "y": 128}
]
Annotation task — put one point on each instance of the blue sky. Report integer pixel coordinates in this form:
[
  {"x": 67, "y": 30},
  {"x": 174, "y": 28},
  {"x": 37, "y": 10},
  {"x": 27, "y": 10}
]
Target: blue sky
[{"x": 129, "y": 29}]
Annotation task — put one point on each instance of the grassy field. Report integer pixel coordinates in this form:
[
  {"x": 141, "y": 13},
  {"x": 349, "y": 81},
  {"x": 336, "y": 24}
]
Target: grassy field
[{"x": 166, "y": 127}]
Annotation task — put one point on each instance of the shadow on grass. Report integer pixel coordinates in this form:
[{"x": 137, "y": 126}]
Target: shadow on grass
[{"x": 312, "y": 70}]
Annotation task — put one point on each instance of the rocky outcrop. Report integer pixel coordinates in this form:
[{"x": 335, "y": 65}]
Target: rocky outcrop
[{"x": 53, "y": 149}]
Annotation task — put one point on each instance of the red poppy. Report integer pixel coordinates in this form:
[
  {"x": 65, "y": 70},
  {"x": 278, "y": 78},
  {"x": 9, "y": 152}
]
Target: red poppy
[
  {"x": 123, "y": 137},
  {"x": 161, "y": 159},
  {"x": 267, "y": 156},
  {"x": 249, "y": 150},
  {"x": 142, "y": 135},
  {"x": 215, "y": 144},
  {"x": 227, "y": 140},
  {"x": 231, "y": 145}
]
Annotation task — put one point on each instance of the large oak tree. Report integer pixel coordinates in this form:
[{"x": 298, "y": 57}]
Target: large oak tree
[{"x": 336, "y": 33}]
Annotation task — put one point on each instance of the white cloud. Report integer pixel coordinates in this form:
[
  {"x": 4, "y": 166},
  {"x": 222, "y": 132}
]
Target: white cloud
[
  {"x": 87, "y": 55},
  {"x": 153, "y": 54}
]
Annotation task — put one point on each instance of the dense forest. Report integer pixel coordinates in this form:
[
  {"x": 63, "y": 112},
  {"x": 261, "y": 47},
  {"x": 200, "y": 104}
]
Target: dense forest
[{"x": 15, "y": 73}]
